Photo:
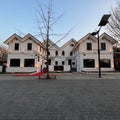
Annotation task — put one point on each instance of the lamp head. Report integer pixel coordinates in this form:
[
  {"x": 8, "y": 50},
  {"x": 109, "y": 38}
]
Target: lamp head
[
  {"x": 94, "y": 33},
  {"x": 104, "y": 20}
]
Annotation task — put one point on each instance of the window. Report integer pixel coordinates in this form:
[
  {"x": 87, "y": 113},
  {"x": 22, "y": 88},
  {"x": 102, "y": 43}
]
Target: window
[
  {"x": 56, "y": 62},
  {"x": 103, "y": 46},
  {"x": 63, "y": 53},
  {"x": 56, "y": 52},
  {"x": 29, "y": 63},
  {"x": 49, "y": 62},
  {"x": 105, "y": 63},
  {"x": 69, "y": 62},
  {"x": 89, "y": 46},
  {"x": 14, "y": 62},
  {"x": 89, "y": 63},
  {"x": 71, "y": 53},
  {"x": 63, "y": 62},
  {"x": 16, "y": 46},
  {"x": 29, "y": 46}
]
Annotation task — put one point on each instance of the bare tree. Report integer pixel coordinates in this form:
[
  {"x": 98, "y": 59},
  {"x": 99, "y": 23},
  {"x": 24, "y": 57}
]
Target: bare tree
[
  {"x": 114, "y": 22},
  {"x": 46, "y": 20},
  {"x": 3, "y": 54}
]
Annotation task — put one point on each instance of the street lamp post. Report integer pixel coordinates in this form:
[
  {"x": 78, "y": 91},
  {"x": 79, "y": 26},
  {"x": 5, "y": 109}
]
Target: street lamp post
[{"x": 103, "y": 22}]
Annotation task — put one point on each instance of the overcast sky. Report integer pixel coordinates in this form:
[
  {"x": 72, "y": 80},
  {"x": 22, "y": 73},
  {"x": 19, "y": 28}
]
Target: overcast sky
[{"x": 19, "y": 16}]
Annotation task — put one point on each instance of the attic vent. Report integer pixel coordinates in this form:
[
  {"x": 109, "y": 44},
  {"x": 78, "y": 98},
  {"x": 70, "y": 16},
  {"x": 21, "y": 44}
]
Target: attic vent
[
  {"x": 16, "y": 38},
  {"x": 30, "y": 38},
  {"x": 71, "y": 45}
]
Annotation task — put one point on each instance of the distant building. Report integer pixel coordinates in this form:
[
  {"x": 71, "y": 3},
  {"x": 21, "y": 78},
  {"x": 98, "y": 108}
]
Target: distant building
[{"x": 86, "y": 52}]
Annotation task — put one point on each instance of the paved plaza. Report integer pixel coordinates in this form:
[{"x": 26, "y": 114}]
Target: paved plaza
[{"x": 72, "y": 96}]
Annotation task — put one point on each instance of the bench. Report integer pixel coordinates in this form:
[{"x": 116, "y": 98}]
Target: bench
[{"x": 50, "y": 75}]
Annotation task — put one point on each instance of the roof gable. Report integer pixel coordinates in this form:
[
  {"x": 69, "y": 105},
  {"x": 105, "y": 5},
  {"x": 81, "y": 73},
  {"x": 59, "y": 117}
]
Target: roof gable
[
  {"x": 51, "y": 44},
  {"x": 86, "y": 37},
  {"x": 108, "y": 37},
  {"x": 11, "y": 38},
  {"x": 68, "y": 43},
  {"x": 31, "y": 37}
]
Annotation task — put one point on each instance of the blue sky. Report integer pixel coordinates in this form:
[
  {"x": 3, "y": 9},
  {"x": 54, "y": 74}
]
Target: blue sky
[{"x": 19, "y": 16}]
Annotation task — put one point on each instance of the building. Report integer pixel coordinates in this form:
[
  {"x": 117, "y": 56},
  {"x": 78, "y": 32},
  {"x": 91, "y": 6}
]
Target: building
[
  {"x": 86, "y": 53},
  {"x": 61, "y": 58},
  {"x": 25, "y": 54},
  {"x": 28, "y": 54}
]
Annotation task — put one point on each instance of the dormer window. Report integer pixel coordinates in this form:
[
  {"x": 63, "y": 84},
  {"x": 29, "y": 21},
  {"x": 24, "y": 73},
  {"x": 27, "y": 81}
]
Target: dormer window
[
  {"x": 16, "y": 46},
  {"x": 29, "y": 46}
]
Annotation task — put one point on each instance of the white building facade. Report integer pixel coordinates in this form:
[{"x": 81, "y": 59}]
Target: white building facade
[
  {"x": 28, "y": 54},
  {"x": 86, "y": 53},
  {"x": 25, "y": 54},
  {"x": 61, "y": 58}
]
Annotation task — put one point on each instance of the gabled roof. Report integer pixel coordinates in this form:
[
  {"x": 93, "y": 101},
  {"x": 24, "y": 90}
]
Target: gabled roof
[
  {"x": 104, "y": 35},
  {"x": 87, "y": 37},
  {"x": 29, "y": 36},
  {"x": 68, "y": 43},
  {"x": 11, "y": 38},
  {"x": 108, "y": 37},
  {"x": 52, "y": 44},
  {"x": 83, "y": 39}
]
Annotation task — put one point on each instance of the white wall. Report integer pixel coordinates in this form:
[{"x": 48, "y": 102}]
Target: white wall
[
  {"x": 20, "y": 69},
  {"x": 78, "y": 64},
  {"x": 23, "y": 53},
  {"x": 82, "y": 53},
  {"x": 0, "y": 68},
  {"x": 23, "y": 56},
  {"x": 67, "y": 48}
]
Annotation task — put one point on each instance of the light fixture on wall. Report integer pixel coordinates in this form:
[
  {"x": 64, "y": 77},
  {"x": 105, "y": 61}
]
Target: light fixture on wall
[
  {"x": 9, "y": 51},
  {"x": 21, "y": 65},
  {"x": 112, "y": 66},
  {"x": 22, "y": 50},
  {"x": 97, "y": 65},
  {"x": 8, "y": 65},
  {"x": 36, "y": 65},
  {"x": 110, "y": 50}
]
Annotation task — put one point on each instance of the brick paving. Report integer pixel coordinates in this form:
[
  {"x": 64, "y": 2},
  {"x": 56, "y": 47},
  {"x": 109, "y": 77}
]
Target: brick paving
[{"x": 85, "y": 98}]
